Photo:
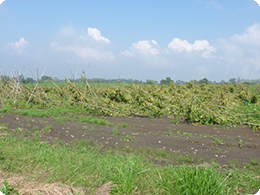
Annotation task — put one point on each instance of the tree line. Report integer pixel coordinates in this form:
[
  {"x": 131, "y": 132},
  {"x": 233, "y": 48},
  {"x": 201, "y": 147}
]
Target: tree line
[{"x": 165, "y": 81}]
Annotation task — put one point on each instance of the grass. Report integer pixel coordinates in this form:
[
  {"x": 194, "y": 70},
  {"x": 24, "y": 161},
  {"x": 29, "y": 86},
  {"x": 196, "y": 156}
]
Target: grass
[
  {"x": 195, "y": 180},
  {"x": 93, "y": 120},
  {"x": 83, "y": 164},
  {"x": 176, "y": 122},
  {"x": 115, "y": 132},
  {"x": 123, "y": 125},
  {"x": 8, "y": 189},
  {"x": 254, "y": 161},
  {"x": 47, "y": 128},
  {"x": 87, "y": 128}
]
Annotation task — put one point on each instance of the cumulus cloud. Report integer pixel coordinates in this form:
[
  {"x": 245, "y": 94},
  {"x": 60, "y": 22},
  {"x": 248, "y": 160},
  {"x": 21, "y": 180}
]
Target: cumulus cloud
[
  {"x": 143, "y": 47},
  {"x": 68, "y": 40},
  {"x": 1, "y": 1},
  {"x": 258, "y": 1},
  {"x": 179, "y": 46},
  {"x": 18, "y": 46},
  {"x": 96, "y": 34},
  {"x": 243, "y": 50}
]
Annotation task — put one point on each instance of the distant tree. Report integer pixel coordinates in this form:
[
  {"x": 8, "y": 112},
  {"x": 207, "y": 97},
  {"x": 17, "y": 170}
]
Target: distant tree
[
  {"x": 232, "y": 80},
  {"x": 166, "y": 81},
  {"x": 55, "y": 79},
  {"x": 29, "y": 80},
  {"x": 179, "y": 82},
  {"x": 151, "y": 82},
  {"x": 222, "y": 82},
  {"x": 205, "y": 80},
  {"x": 45, "y": 78}
]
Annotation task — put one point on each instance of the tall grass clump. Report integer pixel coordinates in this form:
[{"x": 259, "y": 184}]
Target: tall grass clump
[{"x": 193, "y": 180}]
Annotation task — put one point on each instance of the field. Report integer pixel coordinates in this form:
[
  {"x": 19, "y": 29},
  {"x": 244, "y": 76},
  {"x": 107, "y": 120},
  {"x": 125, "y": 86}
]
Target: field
[{"x": 130, "y": 139}]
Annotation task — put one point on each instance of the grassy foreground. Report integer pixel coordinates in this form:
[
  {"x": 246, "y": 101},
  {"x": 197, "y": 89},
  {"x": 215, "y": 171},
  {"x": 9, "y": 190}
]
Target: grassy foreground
[{"x": 83, "y": 164}]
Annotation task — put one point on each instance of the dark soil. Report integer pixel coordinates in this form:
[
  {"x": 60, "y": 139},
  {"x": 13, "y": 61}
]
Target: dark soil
[{"x": 225, "y": 145}]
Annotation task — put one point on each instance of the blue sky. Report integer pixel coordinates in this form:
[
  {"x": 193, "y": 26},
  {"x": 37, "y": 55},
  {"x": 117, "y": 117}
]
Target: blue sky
[{"x": 137, "y": 39}]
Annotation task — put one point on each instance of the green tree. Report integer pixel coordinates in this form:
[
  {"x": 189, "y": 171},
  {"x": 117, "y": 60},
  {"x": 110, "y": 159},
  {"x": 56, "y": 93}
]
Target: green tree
[
  {"x": 205, "y": 80},
  {"x": 166, "y": 81},
  {"x": 232, "y": 80},
  {"x": 151, "y": 82},
  {"x": 45, "y": 78}
]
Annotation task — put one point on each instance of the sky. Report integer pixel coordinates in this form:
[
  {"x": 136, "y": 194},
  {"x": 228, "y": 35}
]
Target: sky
[{"x": 137, "y": 39}]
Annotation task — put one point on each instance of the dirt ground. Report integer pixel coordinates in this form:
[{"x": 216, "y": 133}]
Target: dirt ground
[{"x": 225, "y": 145}]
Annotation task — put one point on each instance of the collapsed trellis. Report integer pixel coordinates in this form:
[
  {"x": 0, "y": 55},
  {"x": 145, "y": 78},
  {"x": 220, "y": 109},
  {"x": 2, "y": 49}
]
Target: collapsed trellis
[{"x": 200, "y": 104}]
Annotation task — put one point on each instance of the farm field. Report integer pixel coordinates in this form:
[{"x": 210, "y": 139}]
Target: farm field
[{"x": 168, "y": 128}]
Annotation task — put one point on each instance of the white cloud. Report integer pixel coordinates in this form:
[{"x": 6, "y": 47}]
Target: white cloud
[
  {"x": 1, "y": 1},
  {"x": 96, "y": 34},
  {"x": 241, "y": 52},
  {"x": 178, "y": 45},
  {"x": 68, "y": 40},
  {"x": 143, "y": 47},
  {"x": 18, "y": 46},
  {"x": 251, "y": 37},
  {"x": 258, "y": 1}
]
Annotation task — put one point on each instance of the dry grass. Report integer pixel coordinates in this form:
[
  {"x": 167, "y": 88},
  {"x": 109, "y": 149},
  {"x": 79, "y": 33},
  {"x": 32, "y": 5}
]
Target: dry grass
[{"x": 25, "y": 187}]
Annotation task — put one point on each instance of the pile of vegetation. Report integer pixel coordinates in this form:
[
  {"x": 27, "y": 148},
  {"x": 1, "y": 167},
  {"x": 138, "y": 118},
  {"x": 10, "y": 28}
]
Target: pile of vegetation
[{"x": 223, "y": 104}]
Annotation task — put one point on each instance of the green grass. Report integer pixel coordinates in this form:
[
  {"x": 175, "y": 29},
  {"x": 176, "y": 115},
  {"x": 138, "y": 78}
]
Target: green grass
[
  {"x": 47, "y": 128},
  {"x": 8, "y": 189},
  {"x": 88, "y": 128},
  {"x": 123, "y": 125},
  {"x": 115, "y": 132},
  {"x": 194, "y": 180},
  {"x": 94, "y": 120},
  {"x": 83, "y": 164}
]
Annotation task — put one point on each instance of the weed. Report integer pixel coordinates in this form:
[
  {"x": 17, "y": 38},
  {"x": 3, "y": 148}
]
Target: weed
[
  {"x": 170, "y": 132},
  {"x": 127, "y": 138},
  {"x": 161, "y": 153},
  {"x": 94, "y": 120},
  {"x": 194, "y": 180},
  {"x": 178, "y": 133},
  {"x": 187, "y": 134},
  {"x": 7, "y": 189},
  {"x": 176, "y": 122},
  {"x": 206, "y": 135},
  {"x": 47, "y": 128},
  {"x": 218, "y": 141},
  {"x": 254, "y": 161},
  {"x": 234, "y": 163},
  {"x": 115, "y": 132},
  {"x": 87, "y": 128},
  {"x": 124, "y": 125},
  {"x": 151, "y": 117},
  {"x": 36, "y": 128},
  {"x": 240, "y": 143}
]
